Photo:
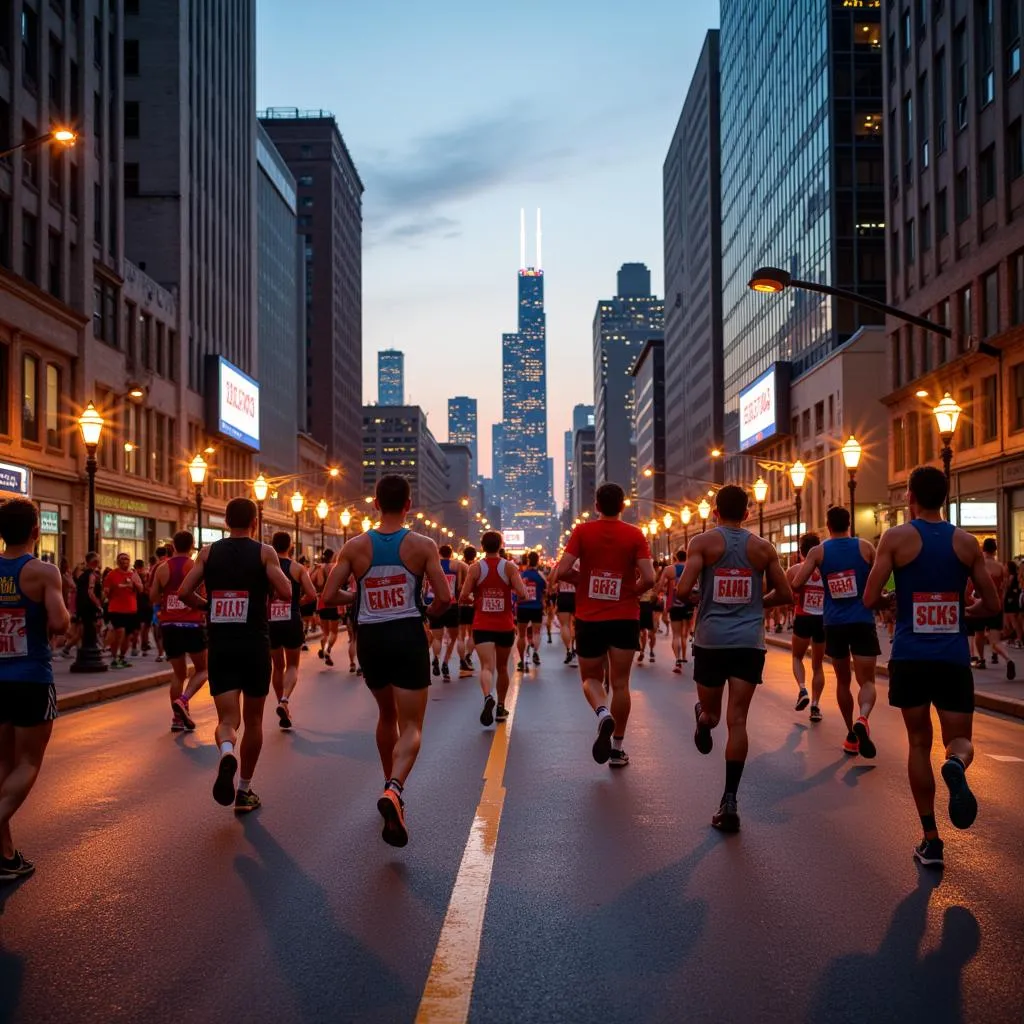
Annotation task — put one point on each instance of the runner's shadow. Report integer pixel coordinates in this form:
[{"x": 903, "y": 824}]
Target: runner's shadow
[
  {"x": 355, "y": 746},
  {"x": 205, "y": 755},
  {"x": 12, "y": 965},
  {"x": 896, "y": 983},
  {"x": 856, "y": 773}
]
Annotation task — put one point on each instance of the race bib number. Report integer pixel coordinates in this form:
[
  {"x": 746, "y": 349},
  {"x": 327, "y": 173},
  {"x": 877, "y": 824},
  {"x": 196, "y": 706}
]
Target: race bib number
[
  {"x": 492, "y": 604},
  {"x": 385, "y": 593},
  {"x": 936, "y": 613},
  {"x": 732, "y": 586},
  {"x": 13, "y": 638},
  {"x": 842, "y": 585},
  {"x": 605, "y": 586},
  {"x": 814, "y": 601},
  {"x": 567, "y": 588},
  {"x": 280, "y": 611},
  {"x": 175, "y": 604},
  {"x": 451, "y": 583},
  {"x": 531, "y": 591},
  {"x": 229, "y": 606}
]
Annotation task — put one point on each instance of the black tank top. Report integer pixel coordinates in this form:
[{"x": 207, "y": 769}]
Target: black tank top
[
  {"x": 237, "y": 588},
  {"x": 286, "y": 568}
]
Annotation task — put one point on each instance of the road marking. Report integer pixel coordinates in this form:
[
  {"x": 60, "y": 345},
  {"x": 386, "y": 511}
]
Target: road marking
[
  {"x": 449, "y": 988},
  {"x": 1004, "y": 757}
]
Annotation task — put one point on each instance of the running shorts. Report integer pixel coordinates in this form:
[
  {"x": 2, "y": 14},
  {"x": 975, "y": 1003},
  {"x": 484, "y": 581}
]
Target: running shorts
[
  {"x": 994, "y": 623},
  {"x": 182, "y": 640},
  {"x": 857, "y": 638},
  {"x": 128, "y": 621},
  {"x": 535, "y": 615},
  {"x": 712, "y": 666},
  {"x": 500, "y": 638},
  {"x": 466, "y": 612},
  {"x": 915, "y": 684},
  {"x": 25, "y": 705},
  {"x": 308, "y": 609},
  {"x": 448, "y": 620},
  {"x": 809, "y": 627},
  {"x": 680, "y": 612},
  {"x": 234, "y": 667},
  {"x": 329, "y": 614},
  {"x": 394, "y": 654},
  {"x": 567, "y": 603},
  {"x": 594, "y": 639},
  {"x": 286, "y": 634},
  {"x": 646, "y": 615}
]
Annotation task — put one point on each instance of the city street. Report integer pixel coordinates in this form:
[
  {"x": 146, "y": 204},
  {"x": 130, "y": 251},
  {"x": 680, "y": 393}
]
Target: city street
[{"x": 609, "y": 897}]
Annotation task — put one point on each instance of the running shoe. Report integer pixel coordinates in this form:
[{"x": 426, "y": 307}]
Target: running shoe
[
  {"x": 328, "y": 660},
  {"x": 446, "y": 675},
  {"x": 568, "y": 658},
  {"x": 224, "y": 786},
  {"x": 284, "y": 719},
  {"x": 549, "y": 638},
  {"x": 435, "y": 667},
  {"x": 536, "y": 657},
  {"x": 726, "y": 818},
  {"x": 679, "y": 666},
  {"x": 180, "y": 710},
  {"x": 135, "y": 653},
  {"x": 160, "y": 658},
  {"x": 815, "y": 713},
  {"x": 651, "y": 658},
  {"x": 176, "y": 726},
  {"x": 995, "y": 658},
  {"x": 352, "y": 667},
  {"x": 863, "y": 731},
  {"x": 802, "y": 700},
  {"x": 246, "y": 802},
  {"x": 13, "y": 868},
  {"x": 320, "y": 654},
  {"x": 126, "y": 664},
  {"x": 929, "y": 853},
  {"x": 487, "y": 715},
  {"x": 963, "y": 806},
  {"x": 521, "y": 666},
  {"x": 116, "y": 664},
  {"x": 618, "y": 759},
  {"x": 640, "y": 660},
  {"x": 851, "y": 745},
  {"x": 1011, "y": 670},
  {"x": 702, "y": 738},
  {"x": 305, "y": 647},
  {"x": 602, "y": 749},
  {"x": 359, "y": 670},
  {"x": 501, "y": 714},
  {"x": 392, "y": 810}
]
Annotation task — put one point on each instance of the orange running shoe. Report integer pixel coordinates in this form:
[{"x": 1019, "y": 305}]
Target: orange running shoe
[
  {"x": 851, "y": 745},
  {"x": 392, "y": 810}
]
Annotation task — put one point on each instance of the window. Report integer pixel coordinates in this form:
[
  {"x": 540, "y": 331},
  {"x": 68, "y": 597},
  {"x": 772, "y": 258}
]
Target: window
[
  {"x": 159, "y": 447},
  {"x": 907, "y": 36},
  {"x": 97, "y": 213},
  {"x": 966, "y": 326},
  {"x": 56, "y": 73},
  {"x": 894, "y": 252},
  {"x": 990, "y": 314},
  {"x": 29, "y": 45},
  {"x": 97, "y": 42},
  {"x": 131, "y": 6},
  {"x": 146, "y": 339},
  {"x": 1017, "y": 289},
  {"x": 56, "y": 158},
  {"x": 1017, "y": 374},
  {"x": 805, "y": 424},
  {"x": 104, "y": 311},
  {"x": 939, "y": 101},
  {"x": 131, "y": 58},
  {"x": 819, "y": 418},
  {"x": 131, "y": 179},
  {"x": 941, "y": 214},
  {"x": 97, "y": 123},
  {"x": 1011, "y": 32},
  {"x": 29, "y": 156},
  {"x": 307, "y": 202},
  {"x": 899, "y": 442},
  {"x": 5, "y": 390},
  {"x": 53, "y": 435},
  {"x": 910, "y": 239},
  {"x": 923, "y": 120},
  {"x": 305, "y": 180},
  {"x": 987, "y": 174},
  {"x": 913, "y": 438},
  {"x": 161, "y": 365},
  {"x": 53, "y": 264},
  {"x": 926, "y": 228},
  {"x": 990, "y": 408},
  {"x": 985, "y": 29},
  {"x": 74, "y": 98},
  {"x": 960, "y": 73},
  {"x": 908, "y": 138},
  {"x": 962, "y": 197},
  {"x": 1014, "y": 151},
  {"x": 965, "y": 435},
  {"x": 30, "y": 398},
  {"x": 30, "y": 248},
  {"x": 831, "y": 412},
  {"x": 131, "y": 119},
  {"x": 73, "y": 190}
]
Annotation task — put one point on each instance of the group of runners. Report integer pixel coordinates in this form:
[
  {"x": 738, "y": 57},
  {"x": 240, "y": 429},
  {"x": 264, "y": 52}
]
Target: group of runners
[{"x": 236, "y": 612}]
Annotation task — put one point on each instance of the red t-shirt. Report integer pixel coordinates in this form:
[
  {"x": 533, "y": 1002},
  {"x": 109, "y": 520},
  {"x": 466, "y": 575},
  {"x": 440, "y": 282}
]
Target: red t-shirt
[
  {"x": 608, "y": 550},
  {"x": 121, "y": 592}
]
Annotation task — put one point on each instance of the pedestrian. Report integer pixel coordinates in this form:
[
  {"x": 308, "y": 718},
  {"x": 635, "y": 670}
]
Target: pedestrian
[{"x": 122, "y": 587}]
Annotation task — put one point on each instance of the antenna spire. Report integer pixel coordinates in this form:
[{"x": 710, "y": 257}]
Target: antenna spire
[
  {"x": 538, "y": 239},
  {"x": 522, "y": 238}
]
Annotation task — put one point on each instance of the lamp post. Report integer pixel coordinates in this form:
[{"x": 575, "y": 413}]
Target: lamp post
[
  {"x": 797, "y": 476},
  {"x": 366, "y": 524},
  {"x": 89, "y": 657},
  {"x": 260, "y": 489},
  {"x": 197, "y": 471},
  {"x": 65, "y": 136},
  {"x": 298, "y": 501},
  {"x": 947, "y": 413},
  {"x": 666, "y": 521},
  {"x": 346, "y": 519},
  {"x": 760, "y": 494},
  {"x": 685, "y": 515},
  {"x": 851, "y": 457},
  {"x": 322, "y": 511},
  {"x": 703, "y": 510}
]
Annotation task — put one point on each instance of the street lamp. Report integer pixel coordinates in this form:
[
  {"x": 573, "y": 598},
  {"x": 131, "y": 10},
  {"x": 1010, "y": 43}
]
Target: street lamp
[
  {"x": 366, "y": 524},
  {"x": 65, "y": 136},
  {"x": 797, "y": 476},
  {"x": 851, "y": 457},
  {"x": 322, "y": 511},
  {"x": 89, "y": 657},
  {"x": 703, "y": 510},
  {"x": 298, "y": 501},
  {"x": 685, "y": 515},
  {"x": 760, "y": 494},
  {"x": 197, "y": 471},
  {"x": 346, "y": 519},
  {"x": 947, "y": 413},
  {"x": 260, "y": 489}
]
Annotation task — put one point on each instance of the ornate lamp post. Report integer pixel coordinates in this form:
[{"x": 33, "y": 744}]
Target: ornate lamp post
[
  {"x": 260, "y": 489},
  {"x": 346, "y": 519},
  {"x": 947, "y": 413},
  {"x": 685, "y": 515},
  {"x": 703, "y": 510},
  {"x": 366, "y": 524},
  {"x": 797, "y": 476},
  {"x": 851, "y": 457},
  {"x": 667, "y": 520},
  {"x": 760, "y": 494},
  {"x": 322, "y": 511},
  {"x": 197, "y": 472},
  {"x": 298, "y": 502}
]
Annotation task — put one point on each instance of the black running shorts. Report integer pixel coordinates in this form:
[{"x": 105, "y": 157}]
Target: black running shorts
[
  {"x": 308, "y": 609},
  {"x": 595, "y": 639},
  {"x": 646, "y": 615},
  {"x": 500, "y": 638},
  {"x": 233, "y": 667},
  {"x": 566, "y": 604},
  {"x": 809, "y": 627},
  {"x": 914, "y": 684},
  {"x": 466, "y": 613},
  {"x": 449, "y": 620},
  {"x": 128, "y": 621},
  {"x": 394, "y": 654},
  {"x": 712, "y": 666},
  {"x": 182, "y": 640},
  {"x": 329, "y": 614},
  {"x": 857, "y": 638},
  {"x": 25, "y": 705},
  {"x": 286, "y": 634},
  {"x": 524, "y": 615},
  {"x": 680, "y": 613}
]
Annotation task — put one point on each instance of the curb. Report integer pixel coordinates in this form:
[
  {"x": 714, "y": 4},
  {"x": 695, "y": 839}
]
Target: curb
[
  {"x": 109, "y": 691},
  {"x": 988, "y": 701}
]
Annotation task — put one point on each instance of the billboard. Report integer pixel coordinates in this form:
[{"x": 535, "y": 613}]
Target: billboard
[
  {"x": 233, "y": 403},
  {"x": 764, "y": 406},
  {"x": 514, "y": 538}
]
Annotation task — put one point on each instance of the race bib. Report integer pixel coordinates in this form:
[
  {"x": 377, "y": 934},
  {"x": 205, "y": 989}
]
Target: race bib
[
  {"x": 280, "y": 611},
  {"x": 936, "y": 613},
  {"x": 175, "y": 604},
  {"x": 451, "y": 583},
  {"x": 732, "y": 586},
  {"x": 605, "y": 586},
  {"x": 13, "y": 638},
  {"x": 531, "y": 591},
  {"x": 842, "y": 585},
  {"x": 567, "y": 588},
  {"x": 492, "y": 604},
  {"x": 229, "y": 606},
  {"x": 385, "y": 593},
  {"x": 814, "y": 601}
]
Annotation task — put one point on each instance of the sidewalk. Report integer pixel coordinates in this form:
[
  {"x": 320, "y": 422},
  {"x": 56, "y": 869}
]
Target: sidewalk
[
  {"x": 992, "y": 690},
  {"x": 75, "y": 691}
]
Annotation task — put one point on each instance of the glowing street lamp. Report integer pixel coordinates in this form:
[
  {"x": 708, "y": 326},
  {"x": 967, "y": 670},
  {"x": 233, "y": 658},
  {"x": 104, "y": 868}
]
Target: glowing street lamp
[
  {"x": 260, "y": 490},
  {"x": 197, "y": 473},
  {"x": 366, "y": 524},
  {"x": 760, "y": 494},
  {"x": 89, "y": 657},
  {"x": 703, "y": 510},
  {"x": 322, "y": 511},
  {"x": 685, "y": 515},
  {"x": 298, "y": 502},
  {"x": 947, "y": 414},
  {"x": 851, "y": 458},
  {"x": 346, "y": 520},
  {"x": 797, "y": 477}
]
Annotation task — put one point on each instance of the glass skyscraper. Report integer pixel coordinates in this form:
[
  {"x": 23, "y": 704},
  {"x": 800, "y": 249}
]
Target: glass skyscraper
[
  {"x": 390, "y": 377},
  {"x": 462, "y": 428}
]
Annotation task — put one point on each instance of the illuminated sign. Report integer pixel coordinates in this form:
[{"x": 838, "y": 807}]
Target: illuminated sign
[
  {"x": 975, "y": 514},
  {"x": 764, "y": 406},
  {"x": 514, "y": 538},
  {"x": 13, "y": 479},
  {"x": 234, "y": 402},
  {"x": 49, "y": 521}
]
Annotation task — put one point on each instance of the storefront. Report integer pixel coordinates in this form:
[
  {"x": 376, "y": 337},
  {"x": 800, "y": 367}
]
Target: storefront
[
  {"x": 54, "y": 515},
  {"x": 132, "y": 525},
  {"x": 979, "y": 516}
]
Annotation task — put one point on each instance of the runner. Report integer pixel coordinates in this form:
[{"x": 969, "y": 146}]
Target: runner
[
  {"x": 446, "y": 629},
  {"x": 31, "y": 609},
  {"x": 466, "y": 619},
  {"x": 650, "y": 620},
  {"x": 183, "y": 629},
  {"x": 530, "y": 612},
  {"x": 733, "y": 567},
  {"x": 844, "y": 563},
  {"x": 930, "y": 663},
  {"x": 140, "y": 638},
  {"x": 330, "y": 617},
  {"x": 566, "y": 607},
  {"x": 680, "y": 613},
  {"x": 122, "y": 587},
  {"x": 549, "y": 604},
  {"x": 615, "y": 568},
  {"x": 809, "y": 631},
  {"x": 286, "y": 627},
  {"x": 389, "y": 563},
  {"x": 240, "y": 574},
  {"x": 991, "y": 629},
  {"x": 492, "y": 582}
]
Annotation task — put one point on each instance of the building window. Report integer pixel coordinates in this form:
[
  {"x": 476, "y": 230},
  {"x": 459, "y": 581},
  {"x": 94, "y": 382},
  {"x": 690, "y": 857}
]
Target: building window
[
  {"x": 960, "y": 79},
  {"x": 53, "y": 434},
  {"x": 926, "y": 228},
  {"x": 131, "y": 179},
  {"x": 910, "y": 239},
  {"x": 305, "y": 180},
  {"x": 53, "y": 264},
  {"x": 56, "y": 72},
  {"x": 74, "y": 96},
  {"x": 159, "y": 448},
  {"x": 97, "y": 41},
  {"x": 30, "y": 398},
  {"x": 73, "y": 190},
  {"x": 965, "y": 435},
  {"x": 966, "y": 328},
  {"x": 30, "y": 248},
  {"x": 819, "y": 418},
  {"x": 990, "y": 408},
  {"x": 147, "y": 340},
  {"x": 104, "y": 311},
  {"x": 307, "y": 202},
  {"x": 907, "y": 36},
  {"x": 986, "y": 51},
  {"x": 941, "y": 214},
  {"x": 172, "y": 355},
  {"x": 962, "y": 197},
  {"x": 1011, "y": 32},
  {"x": 990, "y": 314},
  {"x": 131, "y": 58},
  {"x": 131, "y": 119},
  {"x": 1014, "y": 150},
  {"x": 56, "y": 158},
  {"x": 29, "y": 45},
  {"x": 987, "y": 174},
  {"x": 923, "y": 120},
  {"x": 29, "y": 156},
  {"x": 913, "y": 438},
  {"x": 1018, "y": 396},
  {"x": 939, "y": 101},
  {"x": 908, "y": 138},
  {"x": 1017, "y": 289},
  {"x": 899, "y": 442},
  {"x": 894, "y": 252}
]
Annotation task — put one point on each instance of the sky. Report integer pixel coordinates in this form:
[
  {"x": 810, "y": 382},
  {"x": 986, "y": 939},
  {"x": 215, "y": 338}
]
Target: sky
[{"x": 459, "y": 114}]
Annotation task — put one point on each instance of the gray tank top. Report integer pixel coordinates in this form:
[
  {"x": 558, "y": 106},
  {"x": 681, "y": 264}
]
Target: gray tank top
[{"x": 731, "y": 610}]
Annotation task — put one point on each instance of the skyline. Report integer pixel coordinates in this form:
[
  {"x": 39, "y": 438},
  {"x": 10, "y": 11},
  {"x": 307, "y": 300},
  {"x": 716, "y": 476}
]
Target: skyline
[{"x": 578, "y": 132}]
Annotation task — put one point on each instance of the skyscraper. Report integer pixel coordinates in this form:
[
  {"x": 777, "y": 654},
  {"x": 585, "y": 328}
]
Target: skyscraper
[
  {"x": 622, "y": 326},
  {"x": 462, "y": 428},
  {"x": 582, "y": 417},
  {"x": 390, "y": 377}
]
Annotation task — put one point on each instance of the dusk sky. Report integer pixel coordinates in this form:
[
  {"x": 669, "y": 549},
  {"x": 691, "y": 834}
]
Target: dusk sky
[{"x": 458, "y": 114}]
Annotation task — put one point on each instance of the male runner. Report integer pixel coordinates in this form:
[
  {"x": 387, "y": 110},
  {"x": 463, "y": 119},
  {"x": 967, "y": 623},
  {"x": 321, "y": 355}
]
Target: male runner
[
  {"x": 491, "y": 582},
  {"x": 240, "y": 574},
  {"x": 566, "y": 609},
  {"x": 615, "y": 568},
  {"x": 389, "y": 564},
  {"x": 649, "y": 623},
  {"x": 733, "y": 566},
  {"x": 991, "y": 629},
  {"x": 122, "y": 587},
  {"x": 680, "y": 613},
  {"x": 930, "y": 663},
  {"x": 329, "y": 616},
  {"x": 466, "y": 618},
  {"x": 31, "y": 610},
  {"x": 286, "y": 627},
  {"x": 530, "y": 612},
  {"x": 844, "y": 563},
  {"x": 549, "y": 604},
  {"x": 446, "y": 629},
  {"x": 809, "y": 631},
  {"x": 183, "y": 629}
]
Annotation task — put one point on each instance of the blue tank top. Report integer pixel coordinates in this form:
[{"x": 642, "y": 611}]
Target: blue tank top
[
  {"x": 532, "y": 578},
  {"x": 845, "y": 572},
  {"x": 930, "y": 623},
  {"x": 674, "y": 601},
  {"x": 24, "y": 644}
]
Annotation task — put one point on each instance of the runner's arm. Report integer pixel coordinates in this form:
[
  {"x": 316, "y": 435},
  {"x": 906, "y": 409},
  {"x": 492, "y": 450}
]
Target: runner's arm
[
  {"x": 987, "y": 603},
  {"x": 187, "y": 590},
  {"x": 806, "y": 568},
  {"x": 645, "y": 566},
  {"x": 517, "y": 584},
  {"x": 156, "y": 588},
  {"x": 308, "y": 590},
  {"x": 781, "y": 593},
  {"x": 275, "y": 573},
  {"x": 472, "y": 575},
  {"x": 691, "y": 570},
  {"x": 57, "y": 618},
  {"x": 564, "y": 571},
  {"x": 883, "y": 565},
  {"x": 438, "y": 580},
  {"x": 137, "y": 582}
]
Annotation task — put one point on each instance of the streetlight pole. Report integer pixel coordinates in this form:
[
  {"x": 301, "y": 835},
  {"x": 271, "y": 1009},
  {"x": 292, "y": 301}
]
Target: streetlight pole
[
  {"x": 760, "y": 494},
  {"x": 297, "y": 503},
  {"x": 685, "y": 515},
  {"x": 703, "y": 510},
  {"x": 322, "y": 511},
  {"x": 197, "y": 471},
  {"x": 851, "y": 458},
  {"x": 797, "y": 476},
  {"x": 346, "y": 519},
  {"x": 65, "y": 136},
  {"x": 260, "y": 488},
  {"x": 947, "y": 413}
]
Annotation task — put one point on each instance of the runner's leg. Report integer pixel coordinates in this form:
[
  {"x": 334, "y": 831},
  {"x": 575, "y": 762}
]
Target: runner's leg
[
  {"x": 502, "y": 655},
  {"x": 800, "y": 645},
  {"x": 21, "y": 757},
  {"x": 919, "y": 765},
  {"x": 387, "y": 728},
  {"x": 252, "y": 736},
  {"x": 199, "y": 675},
  {"x": 277, "y": 671}
]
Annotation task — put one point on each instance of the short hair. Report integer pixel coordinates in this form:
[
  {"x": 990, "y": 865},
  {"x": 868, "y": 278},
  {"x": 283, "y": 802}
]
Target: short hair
[
  {"x": 392, "y": 493},
  {"x": 18, "y": 518},
  {"x": 989, "y": 546},
  {"x": 328, "y": 555},
  {"x": 534, "y": 559},
  {"x": 731, "y": 502},
  {"x": 160, "y": 552},
  {"x": 184, "y": 542},
  {"x": 445, "y": 551},
  {"x": 838, "y": 519},
  {"x": 681, "y": 555},
  {"x": 469, "y": 553},
  {"x": 610, "y": 499},
  {"x": 240, "y": 513},
  {"x": 282, "y": 542},
  {"x": 807, "y": 542},
  {"x": 491, "y": 542},
  {"x": 139, "y": 563},
  {"x": 91, "y": 556},
  {"x": 929, "y": 487}
]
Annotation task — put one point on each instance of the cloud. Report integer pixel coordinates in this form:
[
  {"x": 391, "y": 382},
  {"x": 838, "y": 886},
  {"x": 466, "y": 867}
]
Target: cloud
[{"x": 413, "y": 231}]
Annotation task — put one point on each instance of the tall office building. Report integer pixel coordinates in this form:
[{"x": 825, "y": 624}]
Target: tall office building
[
  {"x": 691, "y": 183},
  {"x": 462, "y": 428},
  {"x": 584, "y": 479},
  {"x": 802, "y": 182},
  {"x": 397, "y": 439},
  {"x": 390, "y": 377},
  {"x": 582, "y": 417},
  {"x": 622, "y": 326},
  {"x": 331, "y": 228}
]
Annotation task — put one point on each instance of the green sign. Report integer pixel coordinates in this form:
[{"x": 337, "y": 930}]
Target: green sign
[{"x": 49, "y": 521}]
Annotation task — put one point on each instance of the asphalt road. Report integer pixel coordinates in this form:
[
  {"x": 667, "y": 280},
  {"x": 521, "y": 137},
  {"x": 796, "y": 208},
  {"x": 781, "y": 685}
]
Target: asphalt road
[{"x": 608, "y": 897}]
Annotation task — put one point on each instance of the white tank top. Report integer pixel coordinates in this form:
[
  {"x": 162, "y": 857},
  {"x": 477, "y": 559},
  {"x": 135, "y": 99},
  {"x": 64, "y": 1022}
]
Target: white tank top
[{"x": 388, "y": 591}]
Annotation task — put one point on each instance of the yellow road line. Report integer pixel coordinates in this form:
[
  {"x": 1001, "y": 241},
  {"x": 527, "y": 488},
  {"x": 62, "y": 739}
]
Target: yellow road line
[{"x": 449, "y": 988}]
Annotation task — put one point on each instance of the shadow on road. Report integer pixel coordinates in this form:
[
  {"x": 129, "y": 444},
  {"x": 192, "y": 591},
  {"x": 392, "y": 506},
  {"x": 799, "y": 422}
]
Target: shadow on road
[
  {"x": 12, "y": 965},
  {"x": 896, "y": 983}
]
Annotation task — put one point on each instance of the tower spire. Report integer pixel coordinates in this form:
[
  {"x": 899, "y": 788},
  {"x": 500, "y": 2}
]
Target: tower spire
[
  {"x": 538, "y": 267},
  {"x": 522, "y": 238}
]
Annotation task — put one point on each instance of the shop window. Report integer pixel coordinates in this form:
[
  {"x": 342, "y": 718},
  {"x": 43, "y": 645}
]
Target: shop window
[
  {"x": 990, "y": 285},
  {"x": 965, "y": 430},
  {"x": 990, "y": 408},
  {"x": 899, "y": 445},
  {"x": 30, "y": 398},
  {"x": 53, "y": 432},
  {"x": 1017, "y": 377},
  {"x": 5, "y": 390}
]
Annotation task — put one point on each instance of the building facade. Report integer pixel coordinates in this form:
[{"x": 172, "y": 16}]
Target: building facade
[
  {"x": 692, "y": 223},
  {"x": 584, "y": 471},
  {"x": 396, "y": 439},
  {"x": 462, "y": 429},
  {"x": 648, "y": 374},
  {"x": 456, "y": 512},
  {"x": 390, "y": 377}
]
